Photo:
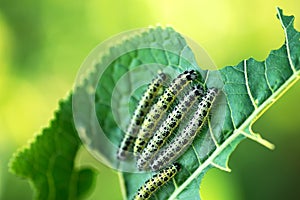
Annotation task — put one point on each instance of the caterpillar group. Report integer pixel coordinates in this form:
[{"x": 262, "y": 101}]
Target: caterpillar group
[{"x": 149, "y": 128}]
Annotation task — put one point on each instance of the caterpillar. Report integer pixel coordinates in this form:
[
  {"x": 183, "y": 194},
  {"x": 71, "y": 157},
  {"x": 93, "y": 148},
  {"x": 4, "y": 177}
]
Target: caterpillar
[
  {"x": 156, "y": 182},
  {"x": 158, "y": 109},
  {"x": 183, "y": 140},
  {"x": 139, "y": 115},
  {"x": 166, "y": 129}
]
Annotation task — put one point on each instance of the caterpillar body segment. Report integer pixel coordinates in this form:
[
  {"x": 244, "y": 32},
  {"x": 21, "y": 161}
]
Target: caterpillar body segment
[{"x": 137, "y": 119}]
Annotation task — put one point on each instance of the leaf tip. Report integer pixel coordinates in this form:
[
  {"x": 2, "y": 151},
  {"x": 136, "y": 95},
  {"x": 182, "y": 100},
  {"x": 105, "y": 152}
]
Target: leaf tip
[{"x": 279, "y": 10}]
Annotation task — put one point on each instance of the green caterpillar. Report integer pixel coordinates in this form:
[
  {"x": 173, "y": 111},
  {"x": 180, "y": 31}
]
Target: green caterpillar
[
  {"x": 156, "y": 181},
  {"x": 158, "y": 109},
  {"x": 183, "y": 140},
  {"x": 166, "y": 129},
  {"x": 139, "y": 114}
]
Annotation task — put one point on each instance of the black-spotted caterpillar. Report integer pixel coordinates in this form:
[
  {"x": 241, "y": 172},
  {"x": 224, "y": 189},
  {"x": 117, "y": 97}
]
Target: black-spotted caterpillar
[
  {"x": 139, "y": 114},
  {"x": 156, "y": 181}
]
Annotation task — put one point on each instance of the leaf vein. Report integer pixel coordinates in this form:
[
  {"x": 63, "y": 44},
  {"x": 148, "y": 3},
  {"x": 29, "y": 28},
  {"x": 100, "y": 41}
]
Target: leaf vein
[
  {"x": 247, "y": 85},
  {"x": 212, "y": 133},
  {"x": 198, "y": 158},
  {"x": 267, "y": 79},
  {"x": 287, "y": 41}
]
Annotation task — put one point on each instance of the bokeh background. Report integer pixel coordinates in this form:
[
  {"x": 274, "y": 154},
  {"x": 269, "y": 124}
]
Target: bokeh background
[{"x": 43, "y": 43}]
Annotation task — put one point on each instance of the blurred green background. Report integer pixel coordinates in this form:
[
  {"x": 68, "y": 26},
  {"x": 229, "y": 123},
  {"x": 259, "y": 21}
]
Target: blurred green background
[{"x": 43, "y": 43}]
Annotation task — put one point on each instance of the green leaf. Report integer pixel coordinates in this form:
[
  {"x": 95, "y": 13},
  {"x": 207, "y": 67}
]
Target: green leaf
[
  {"x": 168, "y": 50},
  {"x": 248, "y": 90},
  {"x": 48, "y": 162}
]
